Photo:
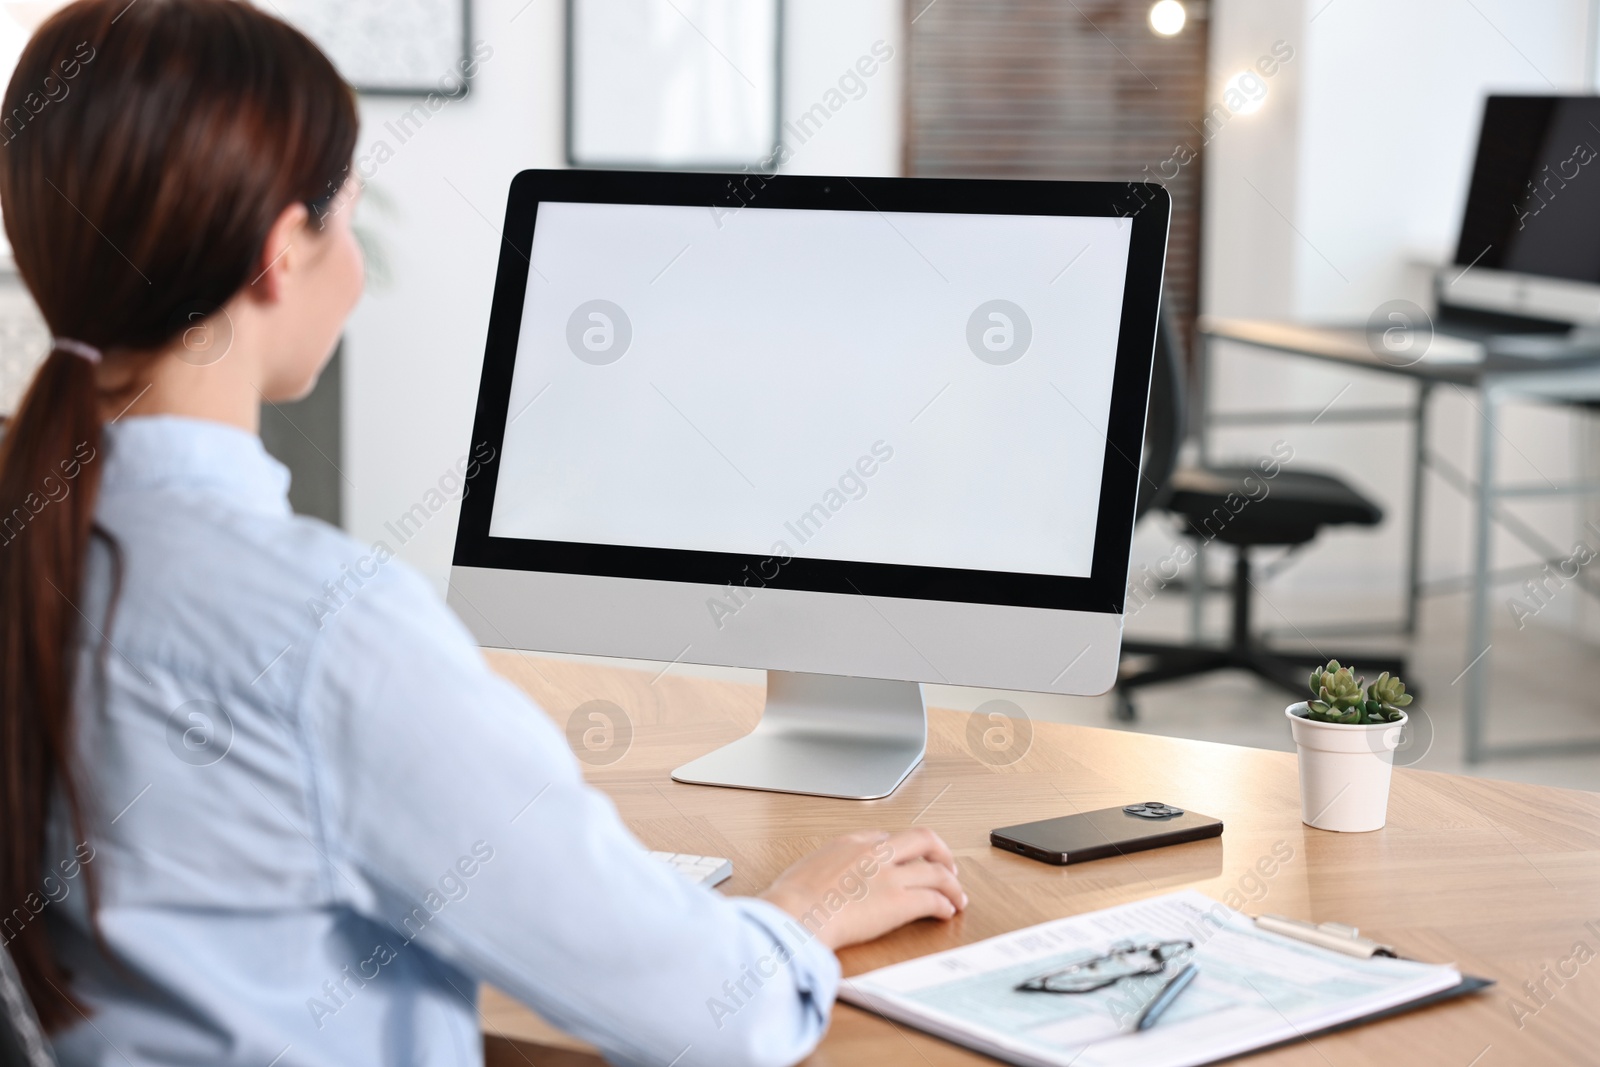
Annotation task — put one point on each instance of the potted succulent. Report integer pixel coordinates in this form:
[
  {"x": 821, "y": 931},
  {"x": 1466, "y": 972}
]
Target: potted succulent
[{"x": 1346, "y": 735}]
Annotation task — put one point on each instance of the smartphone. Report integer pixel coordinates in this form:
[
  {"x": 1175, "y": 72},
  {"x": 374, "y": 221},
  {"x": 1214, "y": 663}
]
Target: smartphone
[{"x": 1095, "y": 835}]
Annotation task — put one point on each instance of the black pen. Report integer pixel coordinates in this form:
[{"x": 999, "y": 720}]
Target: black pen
[{"x": 1163, "y": 1000}]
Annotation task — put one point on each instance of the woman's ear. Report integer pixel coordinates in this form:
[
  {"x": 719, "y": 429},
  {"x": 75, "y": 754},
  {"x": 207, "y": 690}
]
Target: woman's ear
[{"x": 278, "y": 253}]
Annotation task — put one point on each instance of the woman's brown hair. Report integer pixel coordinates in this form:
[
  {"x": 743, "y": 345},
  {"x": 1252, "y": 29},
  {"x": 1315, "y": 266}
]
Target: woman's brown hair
[{"x": 146, "y": 149}]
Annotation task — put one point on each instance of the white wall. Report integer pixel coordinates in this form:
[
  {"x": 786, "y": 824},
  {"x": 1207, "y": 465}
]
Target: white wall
[
  {"x": 823, "y": 39},
  {"x": 1360, "y": 159},
  {"x": 415, "y": 345}
]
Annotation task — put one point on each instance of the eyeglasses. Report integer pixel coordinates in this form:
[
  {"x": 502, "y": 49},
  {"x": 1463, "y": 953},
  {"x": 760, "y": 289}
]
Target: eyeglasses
[{"x": 1122, "y": 960}]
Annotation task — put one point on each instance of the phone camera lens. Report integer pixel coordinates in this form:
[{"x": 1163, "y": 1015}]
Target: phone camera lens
[{"x": 1153, "y": 809}]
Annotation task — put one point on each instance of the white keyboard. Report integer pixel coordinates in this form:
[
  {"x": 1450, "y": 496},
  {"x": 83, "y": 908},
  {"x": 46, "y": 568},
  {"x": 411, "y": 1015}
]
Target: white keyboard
[{"x": 702, "y": 870}]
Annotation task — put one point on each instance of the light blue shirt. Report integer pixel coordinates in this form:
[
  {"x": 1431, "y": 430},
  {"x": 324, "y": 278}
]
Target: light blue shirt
[{"x": 319, "y": 820}]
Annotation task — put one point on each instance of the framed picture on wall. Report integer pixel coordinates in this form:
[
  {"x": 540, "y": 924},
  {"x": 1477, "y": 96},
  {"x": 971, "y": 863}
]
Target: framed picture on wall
[
  {"x": 390, "y": 47},
  {"x": 683, "y": 84}
]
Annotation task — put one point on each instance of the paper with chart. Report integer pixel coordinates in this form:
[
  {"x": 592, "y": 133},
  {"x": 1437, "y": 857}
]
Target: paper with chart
[{"x": 1253, "y": 989}]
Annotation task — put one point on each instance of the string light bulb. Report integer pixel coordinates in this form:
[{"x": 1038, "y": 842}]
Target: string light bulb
[{"x": 1167, "y": 17}]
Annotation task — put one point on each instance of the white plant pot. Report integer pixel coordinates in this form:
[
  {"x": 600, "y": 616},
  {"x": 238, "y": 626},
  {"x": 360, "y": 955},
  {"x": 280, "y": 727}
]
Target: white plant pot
[{"x": 1344, "y": 771}]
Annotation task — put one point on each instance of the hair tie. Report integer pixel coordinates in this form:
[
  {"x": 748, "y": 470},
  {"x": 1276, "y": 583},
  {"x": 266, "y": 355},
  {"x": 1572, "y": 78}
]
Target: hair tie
[{"x": 77, "y": 348}]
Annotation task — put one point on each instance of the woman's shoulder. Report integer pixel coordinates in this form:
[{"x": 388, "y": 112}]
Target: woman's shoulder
[{"x": 231, "y": 590}]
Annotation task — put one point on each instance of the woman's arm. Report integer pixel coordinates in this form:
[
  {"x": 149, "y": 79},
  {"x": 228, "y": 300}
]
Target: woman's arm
[{"x": 455, "y": 814}]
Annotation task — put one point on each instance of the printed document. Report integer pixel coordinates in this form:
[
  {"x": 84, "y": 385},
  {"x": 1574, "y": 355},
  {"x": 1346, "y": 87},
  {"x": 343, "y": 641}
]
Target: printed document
[{"x": 1253, "y": 989}]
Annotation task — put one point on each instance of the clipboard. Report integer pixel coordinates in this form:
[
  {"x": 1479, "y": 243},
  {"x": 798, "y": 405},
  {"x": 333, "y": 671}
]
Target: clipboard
[
  {"x": 1469, "y": 984},
  {"x": 961, "y": 994}
]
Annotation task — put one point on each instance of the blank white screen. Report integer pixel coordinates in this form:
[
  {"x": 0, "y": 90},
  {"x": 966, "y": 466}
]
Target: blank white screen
[{"x": 776, "y": 355}]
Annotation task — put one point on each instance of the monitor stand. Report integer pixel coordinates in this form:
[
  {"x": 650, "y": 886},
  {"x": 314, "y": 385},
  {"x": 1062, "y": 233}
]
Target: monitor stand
[{"x": 825, "y": 736}]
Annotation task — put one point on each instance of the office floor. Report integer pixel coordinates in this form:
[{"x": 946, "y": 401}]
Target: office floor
[{"x": 1542, "y": 681}]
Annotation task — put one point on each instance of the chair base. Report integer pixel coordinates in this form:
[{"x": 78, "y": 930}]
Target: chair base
[{"x": 1287, "y": 670}]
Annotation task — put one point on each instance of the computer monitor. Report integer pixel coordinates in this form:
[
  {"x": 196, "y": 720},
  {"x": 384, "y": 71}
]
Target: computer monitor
[
  {"x": 861, "y": 433},
  {"x": 1530, "y": 234}
]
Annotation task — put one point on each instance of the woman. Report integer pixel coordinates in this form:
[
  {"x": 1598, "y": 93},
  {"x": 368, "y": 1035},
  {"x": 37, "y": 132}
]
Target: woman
[{"x": 238, "y": 831}]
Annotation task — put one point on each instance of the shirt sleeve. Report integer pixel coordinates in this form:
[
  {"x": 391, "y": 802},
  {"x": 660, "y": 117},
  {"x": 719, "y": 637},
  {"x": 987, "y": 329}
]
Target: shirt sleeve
[{"x": 455, "y": 817}]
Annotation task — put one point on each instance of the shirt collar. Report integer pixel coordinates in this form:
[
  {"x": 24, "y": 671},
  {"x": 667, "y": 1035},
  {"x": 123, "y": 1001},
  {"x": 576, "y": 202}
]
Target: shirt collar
[{"x": 176, "y": 452}]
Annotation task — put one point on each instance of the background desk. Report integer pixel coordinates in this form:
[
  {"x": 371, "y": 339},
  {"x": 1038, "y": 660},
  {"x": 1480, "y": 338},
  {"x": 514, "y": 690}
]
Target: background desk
[
  {"x": 1496, "y": 380},
  {"x": 1499, "y": 877}
]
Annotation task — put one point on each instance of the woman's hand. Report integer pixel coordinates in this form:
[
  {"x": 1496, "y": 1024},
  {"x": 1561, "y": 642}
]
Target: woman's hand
[{"x": 862, "y": 885}]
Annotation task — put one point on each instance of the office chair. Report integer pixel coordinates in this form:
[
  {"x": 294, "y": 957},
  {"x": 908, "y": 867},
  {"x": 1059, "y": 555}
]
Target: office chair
[
  {"x": 1295, "y": 507},
  {"x": 22, "y": 1040}
]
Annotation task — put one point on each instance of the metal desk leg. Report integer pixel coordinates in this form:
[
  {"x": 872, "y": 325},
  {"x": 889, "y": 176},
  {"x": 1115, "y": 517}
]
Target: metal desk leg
[
  {"x": 1200, "y": 398},
  {"x": 1475, "y": 675},
  {"x": 1419, "y": 429},
  {"x": 1200, "y": 420}
]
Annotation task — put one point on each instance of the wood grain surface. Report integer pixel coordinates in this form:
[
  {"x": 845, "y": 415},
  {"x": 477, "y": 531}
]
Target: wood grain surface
[{"x": 1500, "y": 878}]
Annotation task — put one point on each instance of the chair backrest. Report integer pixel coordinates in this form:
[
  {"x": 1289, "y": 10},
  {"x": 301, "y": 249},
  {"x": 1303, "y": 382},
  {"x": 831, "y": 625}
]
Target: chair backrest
[
  {"x": 22, "y": 1041},
  {"x": 1164, "y": 420}
]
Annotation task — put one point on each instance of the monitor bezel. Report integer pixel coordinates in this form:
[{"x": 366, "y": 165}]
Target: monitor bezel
[{"x": 1147, "y": 205}]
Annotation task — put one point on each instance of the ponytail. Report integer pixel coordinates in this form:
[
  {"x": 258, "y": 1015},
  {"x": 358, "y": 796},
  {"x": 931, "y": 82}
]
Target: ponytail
[{"x": 49, "y": 474}]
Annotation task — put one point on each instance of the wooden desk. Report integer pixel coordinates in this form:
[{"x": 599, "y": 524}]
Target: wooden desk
[{"x": 1499, "y": 877}]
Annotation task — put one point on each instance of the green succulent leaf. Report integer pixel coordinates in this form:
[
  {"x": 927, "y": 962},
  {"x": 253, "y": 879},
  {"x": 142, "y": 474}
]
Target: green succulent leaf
[
  {"x": 1389, "y": 691},
  {"x": 1340, "y": 695}
]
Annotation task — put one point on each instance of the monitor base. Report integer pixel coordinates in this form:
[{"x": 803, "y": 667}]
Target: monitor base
[{"x": 825, "y": 736}]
